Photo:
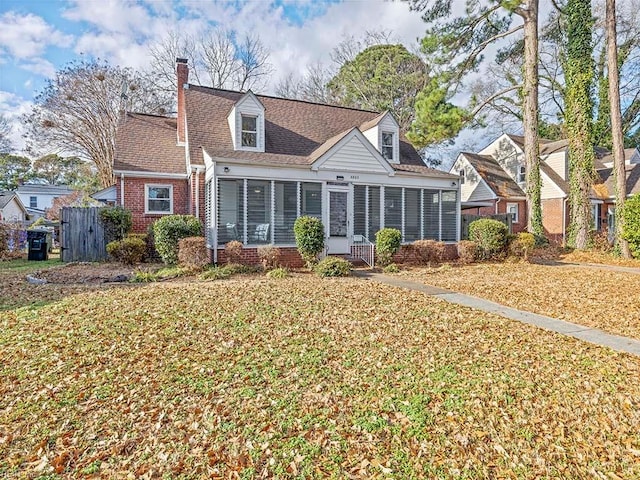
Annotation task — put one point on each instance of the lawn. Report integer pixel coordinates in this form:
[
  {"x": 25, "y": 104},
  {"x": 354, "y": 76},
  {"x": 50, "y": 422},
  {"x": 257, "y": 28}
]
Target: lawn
[
  {"x": 593, "y": 297},
  {"x": 304, "y": 378}
]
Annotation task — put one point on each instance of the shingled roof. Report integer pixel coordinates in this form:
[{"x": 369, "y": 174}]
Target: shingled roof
[
  {"x": 633, "y": 179},
  {"x": 493, "y": 174},
  {"x": 147, "y": 143},
  {"x": 294, "y": 129}
]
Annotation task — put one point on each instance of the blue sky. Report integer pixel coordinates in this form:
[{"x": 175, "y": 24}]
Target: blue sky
[{"x": 38, "y": 37}]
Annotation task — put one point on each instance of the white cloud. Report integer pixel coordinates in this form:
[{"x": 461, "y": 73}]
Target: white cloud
[
  {"x": 39, "y": 66},
  {"x": 28, "y": 36},
  {"x": 13, "y": 107}
]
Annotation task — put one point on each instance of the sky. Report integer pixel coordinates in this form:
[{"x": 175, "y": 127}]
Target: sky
[{"x": 38, "y": 37}]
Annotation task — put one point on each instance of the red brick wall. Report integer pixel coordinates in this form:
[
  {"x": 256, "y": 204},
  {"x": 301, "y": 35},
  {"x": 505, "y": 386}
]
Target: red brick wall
[
  {"x": 552, "y": 219},
  {"x": 521, "y": 226},
  {"x": 134, "y": 199},
  {"x": 200, "y": 193},
  {"x": 289, "y": 257}
]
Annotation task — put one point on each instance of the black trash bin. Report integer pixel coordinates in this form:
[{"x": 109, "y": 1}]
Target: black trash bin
[{"x": 38, "y": 247}]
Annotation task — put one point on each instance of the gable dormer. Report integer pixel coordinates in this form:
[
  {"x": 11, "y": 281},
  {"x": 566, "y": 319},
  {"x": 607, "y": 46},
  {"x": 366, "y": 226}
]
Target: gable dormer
[
  {"x": 384, "y": 133},
  {"x": 246, "y": 124}
]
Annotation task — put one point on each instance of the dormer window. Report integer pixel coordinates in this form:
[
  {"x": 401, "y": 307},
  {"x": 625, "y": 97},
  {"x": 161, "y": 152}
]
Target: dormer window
[
  {"x": 249, "y": 131},
  {"x": 387, "y": 146},
  {"x": 522, "y": 174}
]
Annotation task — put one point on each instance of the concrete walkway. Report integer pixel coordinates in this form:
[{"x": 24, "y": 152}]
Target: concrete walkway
[{"x": 592, "y": 335}]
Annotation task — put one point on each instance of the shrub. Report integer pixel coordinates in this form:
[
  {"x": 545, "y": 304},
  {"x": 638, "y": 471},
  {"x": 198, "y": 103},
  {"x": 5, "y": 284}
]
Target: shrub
[
  {"x": 193, "y": 252},
  {"x": 116, "y": 222},
  {"x": 429, "y": 251},
  {"x": 169, "y": 230},
  {"x": 522, "y": 244},
  {"x": 490, "y": 236},
  {"x": 217, "y": 272},
  {"x": 309, "y": 233},
  {"x": 599, "y": 241},
  {"x": 387, "y": 244},
  {"x": 4, "y": 240},
  {"x": 333, "y": 267},
  {"x": 467, "y": 251},
  {"x": 233, "y": 251},
  {"x": 140, "y": 276},
  {"x": 269, "y": 255},
  {"x": 278, "y": 273},
  {"x": 391, "y": 268},
  {"x": 130, "y": 250}
]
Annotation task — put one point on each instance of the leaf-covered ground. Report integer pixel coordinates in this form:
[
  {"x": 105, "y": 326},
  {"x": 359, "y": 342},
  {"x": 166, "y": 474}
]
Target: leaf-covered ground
[
  {"x": 593, "y": 297},
  {"x": 304, "y": 378}
]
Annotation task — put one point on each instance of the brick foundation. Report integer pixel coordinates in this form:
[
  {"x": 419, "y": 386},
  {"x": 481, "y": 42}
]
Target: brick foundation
[{"x": 289, "y": 257}]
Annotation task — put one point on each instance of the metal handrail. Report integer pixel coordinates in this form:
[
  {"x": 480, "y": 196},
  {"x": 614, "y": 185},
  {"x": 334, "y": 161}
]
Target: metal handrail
[{"x": 363, "y": 249}]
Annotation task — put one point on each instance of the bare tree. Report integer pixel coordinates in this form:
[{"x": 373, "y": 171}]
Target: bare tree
[
  {"x": 616, "y": 125},
  {"x": 312, "y": 86},
  {"x": 78, "y": 111},
  {"x": 218, "y": 58},
  {"x": 5, "y": 131}
]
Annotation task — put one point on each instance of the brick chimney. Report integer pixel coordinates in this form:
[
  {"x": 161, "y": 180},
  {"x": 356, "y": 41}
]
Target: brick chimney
[{"x": 182, "y": 73}]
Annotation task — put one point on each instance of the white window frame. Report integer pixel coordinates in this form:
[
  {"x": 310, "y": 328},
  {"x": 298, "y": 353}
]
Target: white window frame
[
  {"x": 243, "y": 131},
  {"x": 33, "y": 204},
  {"x": 386, "y": 145},
  {"x": 462, "y": 176},
  {"x": 516, "y": 218},
  {"x": 522, "y": 173},
  {"x": 148, "y": 186}
]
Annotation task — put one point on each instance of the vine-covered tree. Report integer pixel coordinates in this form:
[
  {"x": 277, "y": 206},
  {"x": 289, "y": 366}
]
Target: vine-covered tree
[
  {"x": 78, "y": 111},
  {"x": 619, "y": 172},
  {"x": 456, "y": 47},
  {"x": 579, "y": 74}
]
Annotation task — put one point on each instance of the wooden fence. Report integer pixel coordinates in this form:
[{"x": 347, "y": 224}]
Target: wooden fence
[
  {"x": 82, "y": 235},
  {"x": 465, "y": 221}
]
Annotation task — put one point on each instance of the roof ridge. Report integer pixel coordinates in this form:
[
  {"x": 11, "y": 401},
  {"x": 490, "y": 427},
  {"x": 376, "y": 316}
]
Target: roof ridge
[{"x": 286, "y": 99}]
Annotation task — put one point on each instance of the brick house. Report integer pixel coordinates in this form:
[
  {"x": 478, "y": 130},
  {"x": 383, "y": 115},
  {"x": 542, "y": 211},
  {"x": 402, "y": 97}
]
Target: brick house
[
  {"x": 248, "y": 165},
  {"x": 494, "y": 181}
]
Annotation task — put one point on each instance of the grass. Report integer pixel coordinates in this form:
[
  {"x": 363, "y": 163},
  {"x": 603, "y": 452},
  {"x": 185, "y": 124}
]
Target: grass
[
  {"x": 304, "y": 378},
  {"x": 582, "y": 295},
  {"x": 26, "y": 266}
]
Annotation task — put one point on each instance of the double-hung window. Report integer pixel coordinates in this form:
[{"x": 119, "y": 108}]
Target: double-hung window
[
  {"x": 522, "y": 174},
  {"x": 249, "y": 132},
  {"x": 512, "y": 209},
  {"x": 33, "y": 202},
  {"x": 387, "y": 146},
  {"x": 159, "y": 199}
]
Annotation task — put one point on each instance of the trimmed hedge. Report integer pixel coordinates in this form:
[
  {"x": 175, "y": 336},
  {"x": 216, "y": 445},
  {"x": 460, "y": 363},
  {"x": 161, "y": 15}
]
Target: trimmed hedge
[
  {"x": 169, "y": 230},
  {"x": 429, "y": 251},
  {"x": 522, "y": 244},
  {"x": 193, "y": 252},
  {"x": 467, "y": 251},
  {"x": 333, "y": 267},
  {"x": 309, "y": 233},
  {"x": 388, "y": 241},
  {"x": 490, "y": 236},
  {"x": 269, "y": 256},
  {"x": 130, "y": 250}
]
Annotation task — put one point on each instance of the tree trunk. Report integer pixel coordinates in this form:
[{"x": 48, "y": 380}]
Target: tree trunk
[
  {"x": 619, "y": 173},
  {"x": 530, "y": 117}
]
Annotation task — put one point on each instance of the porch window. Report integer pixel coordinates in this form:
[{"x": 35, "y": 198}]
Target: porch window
[
  {"x": 431, "y": 215},
  {"x": 393, "y": 207},
  {"x": 158, "y": 199},
  {"x": 374, "y": 213},
  {"x": 360, "y": 210},
  {"x": 230, "y": 211},
  {"x": 259, "y": 226},
  {"x": 412, "y": 203},
  {"x": 285, "y": 211},
  {"x": 449, "y": 217},
  {"x": 249, "y": 132},
  {"x": 311, "y": 199}
]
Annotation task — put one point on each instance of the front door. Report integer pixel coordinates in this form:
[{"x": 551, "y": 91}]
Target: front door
[{"x": 338, "y": 239}]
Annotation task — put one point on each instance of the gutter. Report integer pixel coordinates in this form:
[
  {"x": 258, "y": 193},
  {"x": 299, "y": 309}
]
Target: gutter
[
  {"x": 564, "y": 221},
  {"x": 497, "y": 202},
  {"x": 122, "y": 189}
]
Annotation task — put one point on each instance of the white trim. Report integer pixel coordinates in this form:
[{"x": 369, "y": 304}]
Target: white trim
[
  {"x": 146, "y": 199},
  {"x": 137, "y": 174},
  {"x": 482, "y": 180},
  {"x": 355, "y": 132}
]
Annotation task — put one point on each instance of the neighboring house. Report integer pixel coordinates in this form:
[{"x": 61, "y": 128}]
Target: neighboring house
[
  {"x": 494, "y": 181},
  {"x": 248, "y": 165},
  {"x": 37, "y": 198},
  {"x": 11, "y": 208},
  {"x": 108, "y": 195}
]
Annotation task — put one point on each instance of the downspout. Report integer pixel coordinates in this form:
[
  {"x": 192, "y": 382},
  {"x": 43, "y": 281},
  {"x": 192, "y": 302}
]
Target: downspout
[
  {"x": 497, "y": 202},
  {"x": 122, "y": 189},
  {"x": 197, "y": 192}
]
